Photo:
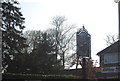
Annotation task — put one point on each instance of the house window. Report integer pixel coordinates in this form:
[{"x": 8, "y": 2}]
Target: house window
[{"x": 110, "y": 58}]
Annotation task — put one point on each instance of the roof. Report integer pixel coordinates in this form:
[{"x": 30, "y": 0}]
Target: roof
[
  {"x": 82, "y": 30},
  {"x": 111, "y": 49}
]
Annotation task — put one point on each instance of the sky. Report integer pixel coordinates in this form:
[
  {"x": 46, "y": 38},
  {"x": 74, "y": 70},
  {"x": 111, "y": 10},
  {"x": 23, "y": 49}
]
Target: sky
[{"x": 100, "y": 17}]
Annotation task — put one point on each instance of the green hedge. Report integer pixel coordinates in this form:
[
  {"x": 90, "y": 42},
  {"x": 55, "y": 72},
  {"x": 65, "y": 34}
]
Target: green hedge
[{"x": 37, "y": 76}]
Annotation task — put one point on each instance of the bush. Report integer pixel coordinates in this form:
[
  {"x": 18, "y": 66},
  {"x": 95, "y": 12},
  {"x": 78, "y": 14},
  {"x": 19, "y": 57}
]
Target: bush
[{"x": 37, "y": 76}]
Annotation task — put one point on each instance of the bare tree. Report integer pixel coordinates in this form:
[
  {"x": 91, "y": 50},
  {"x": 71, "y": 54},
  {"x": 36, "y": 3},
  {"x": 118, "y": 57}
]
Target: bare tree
[
  {"x": 110, "y": 39},
  {"x": 64, "y": 36},
  {"x": 33, "y": 37},
  {"x": 72, "y": 60}
]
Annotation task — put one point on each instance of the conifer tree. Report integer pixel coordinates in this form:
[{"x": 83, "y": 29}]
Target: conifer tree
[
  {"x": 13, "y": 43},
  {"x": 43, "y": 57}
]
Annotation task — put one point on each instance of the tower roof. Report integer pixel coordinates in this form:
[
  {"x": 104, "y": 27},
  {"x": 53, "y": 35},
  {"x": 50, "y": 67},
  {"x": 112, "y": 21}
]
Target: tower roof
[{"x": 82, "y": 30}]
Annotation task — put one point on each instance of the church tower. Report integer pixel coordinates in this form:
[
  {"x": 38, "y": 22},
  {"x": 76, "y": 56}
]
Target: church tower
[{"x": 83, "y": 41}]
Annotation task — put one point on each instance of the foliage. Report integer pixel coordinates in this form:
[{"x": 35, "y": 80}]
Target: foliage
[
  {"x": 90, "y": 69},
  {"x": 13, "y": 43},
  {"x": 43, "y": 57},
  {"x": 37, "y": 76}
]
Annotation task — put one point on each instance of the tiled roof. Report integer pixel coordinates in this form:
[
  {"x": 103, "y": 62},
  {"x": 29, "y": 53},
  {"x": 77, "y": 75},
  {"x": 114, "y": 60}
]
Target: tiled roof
[{"x": 114, "y": 48}]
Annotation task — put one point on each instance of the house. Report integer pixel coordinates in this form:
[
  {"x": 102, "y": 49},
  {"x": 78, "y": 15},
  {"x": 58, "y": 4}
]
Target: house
[{"x": 110, "y": 61}]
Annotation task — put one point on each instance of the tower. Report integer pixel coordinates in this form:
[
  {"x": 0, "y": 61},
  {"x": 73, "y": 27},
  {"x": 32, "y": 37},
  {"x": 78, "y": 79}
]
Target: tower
[{"x": 83, "y": 43}]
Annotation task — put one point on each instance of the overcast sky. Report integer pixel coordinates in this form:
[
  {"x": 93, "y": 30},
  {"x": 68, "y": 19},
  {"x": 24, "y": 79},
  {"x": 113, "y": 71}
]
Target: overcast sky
[{"x": 100, "y": 17}]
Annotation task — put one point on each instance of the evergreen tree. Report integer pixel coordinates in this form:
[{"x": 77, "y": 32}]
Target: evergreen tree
[
  {"x": 43, "y": 57},
  {"x": 13, "y": 43}
]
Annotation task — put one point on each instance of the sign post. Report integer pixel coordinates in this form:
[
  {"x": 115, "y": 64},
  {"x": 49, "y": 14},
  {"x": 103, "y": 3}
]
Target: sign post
[
  {"x": 0, "y": 54},
  {"x": 118, "y": 1},
  {"x": 83, "y": 49},
  {"x": 84, "y": 72}
]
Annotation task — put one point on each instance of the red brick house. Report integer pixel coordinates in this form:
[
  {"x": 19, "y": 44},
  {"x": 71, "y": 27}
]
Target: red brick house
[{"x": 110, "y": 61}]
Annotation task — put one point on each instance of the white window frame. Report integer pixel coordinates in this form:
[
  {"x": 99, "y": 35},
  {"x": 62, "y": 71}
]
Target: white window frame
[{"x": 111, "y": 58}]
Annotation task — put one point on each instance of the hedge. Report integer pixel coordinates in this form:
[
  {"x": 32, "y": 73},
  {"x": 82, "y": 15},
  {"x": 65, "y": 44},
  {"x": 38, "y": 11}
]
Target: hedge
[{"x": 37, "y": 76}]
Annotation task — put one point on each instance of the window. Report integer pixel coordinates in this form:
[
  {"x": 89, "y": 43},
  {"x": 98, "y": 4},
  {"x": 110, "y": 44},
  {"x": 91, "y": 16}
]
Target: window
[{"x": 110, "y": 58}]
